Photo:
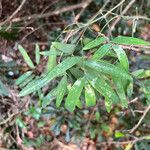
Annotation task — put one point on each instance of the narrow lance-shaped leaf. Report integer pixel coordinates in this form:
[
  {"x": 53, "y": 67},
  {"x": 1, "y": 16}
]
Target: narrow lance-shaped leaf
[
  {"x": 55, "y": 72},
  {"x": 94, "y": 43},
  {"x": 26, "y": 56},
  {"x": 107, "y": 68},
  {"x": 50, "y": 53},
  {"x": 74, "y": 94},
  {"x": 102, "y": 87},
  {"x": 90, "y": 98},
  {"x": 125, "y": 40},
  {"x": 23, "y": 77},
  {"x": 28, "y": 80},
  {"x": 102, "y": 51},
  {"x": 120, "y": 91},
  {"x": 121, "y": 56},
  {"x": 79, "y": 103},
  {"x": 108, "y": 104},
  {"x": 51, "y": 61},
  {"x": 141, "y": 73},
  {"x": 61, "y": 89},
  {"x": 130, "y": 88},
  {"x": 37, "y": 53},
  {"x": 65, "y": 48}
]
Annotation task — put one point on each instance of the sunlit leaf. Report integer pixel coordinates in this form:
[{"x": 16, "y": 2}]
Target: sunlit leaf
[
  {"x": 79, "y": 103},
  {"x": 121, "y": 56},
  {"x": 90, "y": 98},
  {"x": 26, "y": 56},
  {"x": 107, "y": 68},
  {"x": 103, "y": 88},
  {"x": 119, "y": 134},
  {"x": 98, "y": 41},
  {"x": 102, "y": 51},
  {"x": 141, "y": 73},
  {"x": 55, "y": 72},
  {"x": 61, "y": 89},
  {"x": 125, "y": 40},
  {"x": 74, "y": 94}
]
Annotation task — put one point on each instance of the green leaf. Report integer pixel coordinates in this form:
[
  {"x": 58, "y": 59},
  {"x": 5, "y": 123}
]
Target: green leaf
[
  {"x": 120, "y": 91},
  {"x": 125, "y": 40},
  {"x": 102, "y": 51},
  {"x": 35, "y": 112},
  {"x": 98, "y": 41},
  {"x": 146, "y": 90},
  {"x": 107, "y": 68},
  {"x": 41, "y": 124},
  {"x": 49, "y": 98},
  {"x": 119, "y": 135},
  {"x": 26, "y": 57},
  {"x": 37, "y": 53},
  {"x": 61, "y": 89},
  {"x": 49, "y": 53},
  {"x": 20, "y": 123},
  {"x": 79, "y": 104},
  {"x": 86, "y": 40},
  {"x": 97, "y": 116},
  {"x": 74, "y": 94},
  {"x": 23, "y": 77},
  {"x": 102, "y": 87},
  {"x": 76, "y": 72},
  {"x": 108, "y": 104},
  {"x": 130, "y": 88},
  {"x": 65, "y": 48},
  {"x": 55, "y": 72},
  {"x": 51, "y": 61},
  {"x": 121, "y": 56},
  {"x": 141, "y": 73},
  {"x": 90, "y": 97},
  {"x": 3, "y": 89},
  {"x": 25, "y": 82}
]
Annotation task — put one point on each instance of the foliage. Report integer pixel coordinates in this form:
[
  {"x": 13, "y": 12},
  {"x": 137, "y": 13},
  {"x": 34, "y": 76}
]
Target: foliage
[{"x": 83, "y": 80}]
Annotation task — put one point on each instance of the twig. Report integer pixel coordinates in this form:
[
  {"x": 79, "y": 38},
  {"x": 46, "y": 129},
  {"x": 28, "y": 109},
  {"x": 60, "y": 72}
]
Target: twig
[
  {"x": 77, "y": 18},
  {"x": 125, "y": 142},
  {"x": 14, "y": 13},
  {"x": 105, "y": 15},
  {"x": 55, "y": 12},
  {"x": 119, "y": 17},
  {"x": 9, "y": 118},
  {"x": 134, "y": 100},
  {"x": 141, "y": 119},
  {"x": 134, "y": 48},
  {"x": 100, "y": 11}
]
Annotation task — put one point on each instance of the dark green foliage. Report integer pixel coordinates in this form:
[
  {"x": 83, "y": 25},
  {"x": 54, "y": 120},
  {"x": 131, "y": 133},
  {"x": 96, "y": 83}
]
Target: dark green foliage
[{"x": 109, "y": 77}]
